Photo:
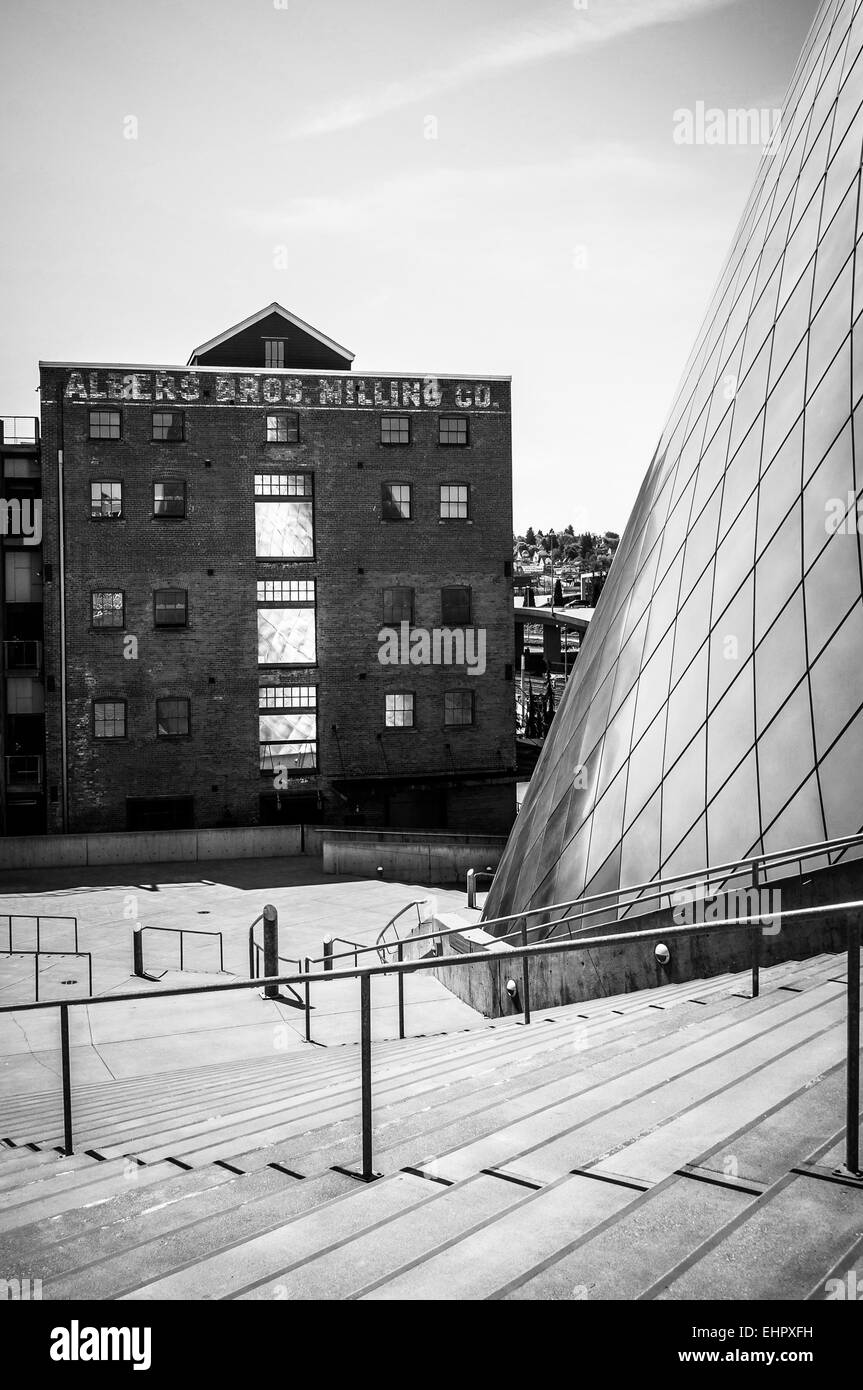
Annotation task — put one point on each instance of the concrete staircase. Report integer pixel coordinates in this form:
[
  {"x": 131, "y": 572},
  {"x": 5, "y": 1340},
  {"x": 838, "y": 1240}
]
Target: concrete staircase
[{"x": 678, "y": 1143}]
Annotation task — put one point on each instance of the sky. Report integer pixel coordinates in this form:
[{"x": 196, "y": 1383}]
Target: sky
[{"x": 470, "y": 186}]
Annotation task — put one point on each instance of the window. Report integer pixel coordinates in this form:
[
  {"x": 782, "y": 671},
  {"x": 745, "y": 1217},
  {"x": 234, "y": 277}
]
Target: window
[
  {"x": 24, "y": 695},
  {"x": 399, "y": 711},
  {"x": 395, "y": 429},
  {"x": 109, "y": 718},
  {"x": 170, "y": 607},
  {"x": 288, "y": 743},
  {"x": 398, "y": 606},
  {"x": 458, "y": 708},
  {"x": 106, "y": 499},
  {"x": 169, "y": 498},
  {"x": 454, "y": 501},
  {"x": 23, "y": 576},
  {"x": 274, "y": 352},
  {"x": 453, "y": 429},
  {"x": 104, "y": 424},
  {"x": 172, "y": 718},
  {"x": 286, "y": 637},
  {"x": 455, "y": 607},
  {"x": 283, "y": 484},
  {"x": 107, "y": 608},
  {"x": 288, "y": 697},
  {"x": 168, "y": 426},
  {"x": 396, "y": 501},
  {"x": 283, "y": 428},
  {"x": 284, "y": 530},
  {"x": 286, "y": 591}
]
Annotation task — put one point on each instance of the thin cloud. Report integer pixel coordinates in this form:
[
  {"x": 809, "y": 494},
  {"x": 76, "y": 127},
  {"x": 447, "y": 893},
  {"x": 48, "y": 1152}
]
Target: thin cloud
[{"x": 545, "y": 38}]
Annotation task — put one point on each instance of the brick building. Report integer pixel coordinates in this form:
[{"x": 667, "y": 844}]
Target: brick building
[{"x": 276, "y": 590}]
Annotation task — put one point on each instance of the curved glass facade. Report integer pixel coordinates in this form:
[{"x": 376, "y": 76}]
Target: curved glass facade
[{"x": 717, "y": 706}]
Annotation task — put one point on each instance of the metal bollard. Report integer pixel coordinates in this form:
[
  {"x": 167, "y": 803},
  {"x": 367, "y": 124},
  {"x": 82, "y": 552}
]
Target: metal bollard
[
  {"x": 471, "y": 887},
  {"x": 67, "y": 1079},
  {"x": 328, "y": 953},
  {"x": 138, "y": 950},
  {"x": 271, "y": 949}
]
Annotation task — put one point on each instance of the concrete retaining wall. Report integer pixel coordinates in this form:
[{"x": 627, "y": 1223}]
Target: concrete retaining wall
[
  {"x": 412, "y": 858},
  {"x": 580, "y": 975},
  {"x": 149, "y": 847}
]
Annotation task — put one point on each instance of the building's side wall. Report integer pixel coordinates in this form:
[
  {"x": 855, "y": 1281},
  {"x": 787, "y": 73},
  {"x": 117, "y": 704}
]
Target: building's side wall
[{"x": 214, "y": 660}]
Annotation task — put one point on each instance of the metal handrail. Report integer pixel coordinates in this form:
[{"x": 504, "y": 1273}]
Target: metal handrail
[
  {"x": 10, "y": 917},
  {"x": 384, "y": 946},
  {"x": 723, "y": 871},
  {"x": 69, "y": 955},
  {"x": 189, "y": 931},
  {"x": 524, "y": 953}
]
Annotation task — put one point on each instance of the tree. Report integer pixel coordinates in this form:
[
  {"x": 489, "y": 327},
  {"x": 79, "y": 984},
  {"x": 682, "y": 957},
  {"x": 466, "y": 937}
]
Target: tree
[{"x": 530, "y": 536}]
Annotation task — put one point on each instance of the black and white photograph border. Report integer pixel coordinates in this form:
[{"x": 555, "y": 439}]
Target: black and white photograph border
[{"x": 494, "y": 685}]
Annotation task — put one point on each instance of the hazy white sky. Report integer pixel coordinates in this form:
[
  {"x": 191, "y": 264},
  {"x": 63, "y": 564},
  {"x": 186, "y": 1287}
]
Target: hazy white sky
[{"x": 553, "y": 229}]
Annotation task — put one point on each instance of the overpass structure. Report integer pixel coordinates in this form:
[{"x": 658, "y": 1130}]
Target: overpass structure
[{"x": 553, "y": 621}]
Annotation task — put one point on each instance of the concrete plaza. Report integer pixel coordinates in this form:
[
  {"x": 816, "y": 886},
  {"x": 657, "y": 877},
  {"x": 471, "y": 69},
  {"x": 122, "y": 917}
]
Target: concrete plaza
[{"x": 167, "y": 1034}]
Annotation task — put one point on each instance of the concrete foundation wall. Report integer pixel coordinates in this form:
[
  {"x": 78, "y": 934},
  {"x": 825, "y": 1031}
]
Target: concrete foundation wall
[
  {"x": 584, "y": 974},
  {"x": 149, "y": 847},
  {"x": 433, "y": 859}
]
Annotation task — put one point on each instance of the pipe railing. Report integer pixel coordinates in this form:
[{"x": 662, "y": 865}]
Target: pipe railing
[
  {"x": 381, "y": 945},
  {"x": 11, "y": 917},
  {"x": 66, "y": 955},
  {"x": 602, "y": 900},
  {"x": 138, "y": 945},
  {"x": 524, "y": 953}
]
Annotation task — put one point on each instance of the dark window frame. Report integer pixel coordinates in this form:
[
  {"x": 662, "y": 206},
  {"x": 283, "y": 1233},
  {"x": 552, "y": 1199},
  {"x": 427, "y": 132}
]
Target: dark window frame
[
  {"x": 401, "y": 421},
  {"x": 460, "y": 724},
  {"x": 455, "y": 482},
  {"x": 401, "y": 728},
  {"x": 107, "y": 627},
  {"x": 394, "y": 622},
  {"x": 388, "y": 502},
  {"x": 175, "y": 699},
  {"x": 171, "y": 516},
  {"x": 458, "y": 588},
  {"x": 287, "y": 416},
  {"x": 109, "y": 700},
  {"x": 167, "y": 627},
  {"x": 166, "y": 439},
  {"x": 104, "y": 438},
  {"x": 454, "y": 443},
  {"x": 107, "y": 516}
]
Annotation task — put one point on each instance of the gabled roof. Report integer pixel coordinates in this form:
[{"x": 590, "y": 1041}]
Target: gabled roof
[{"x": 289, "y": 318}]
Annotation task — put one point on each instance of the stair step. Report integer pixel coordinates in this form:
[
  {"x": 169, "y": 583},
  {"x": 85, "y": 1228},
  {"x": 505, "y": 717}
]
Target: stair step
[
  {"x": 790, "y": 1240},
  {"x": 537, "y": 1227},
  {"x": 344, "y": 1268},
  {"x": 248, "y": 1261}
]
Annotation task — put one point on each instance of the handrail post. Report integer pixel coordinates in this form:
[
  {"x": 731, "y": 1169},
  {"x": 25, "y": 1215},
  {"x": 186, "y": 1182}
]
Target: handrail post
[
  {"x": 366, "y": 1072},
  {"x": 756, "y": 938},
  {"x": 271, "y": 949},
  {"x": 36, "y": 975},
  {"x": 401, "y": 956},
  {"x": 525, "y": 976},
  {"x": 251, "y": 953},
  {"x": 67, "y": 1079},
  {"x": 181, "y": 949},
  {"x": 221, "y": 954},
  {"x": 471, "y": 887},
  {"x": 852, "y": 1107},
  {"x": 308, "y": 1004},
  {"x": 328, "y": 953}
]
